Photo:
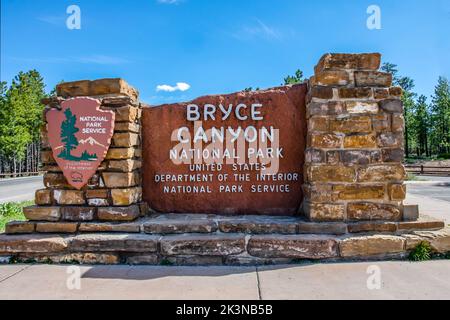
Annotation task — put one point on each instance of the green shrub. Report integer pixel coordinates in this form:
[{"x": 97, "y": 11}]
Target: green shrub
[
  {"x": 421, "y": 253},
  {"x": 444, "y": 156},
  {"x": 10, "y": 209}
]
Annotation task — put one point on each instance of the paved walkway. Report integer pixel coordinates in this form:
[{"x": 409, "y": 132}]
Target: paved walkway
[{"x": 397, "y": 280}]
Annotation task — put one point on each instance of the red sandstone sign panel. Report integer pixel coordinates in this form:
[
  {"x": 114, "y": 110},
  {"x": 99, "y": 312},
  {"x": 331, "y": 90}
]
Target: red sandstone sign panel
[
  {"x": 241, "y": 153},
  {"x": 80, "y": 135}
]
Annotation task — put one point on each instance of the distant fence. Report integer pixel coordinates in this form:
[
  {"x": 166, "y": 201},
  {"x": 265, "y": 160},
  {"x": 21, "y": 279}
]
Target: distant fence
[
  {"x": 417, "y": 169},
  {"x": 19, "y": 175}
]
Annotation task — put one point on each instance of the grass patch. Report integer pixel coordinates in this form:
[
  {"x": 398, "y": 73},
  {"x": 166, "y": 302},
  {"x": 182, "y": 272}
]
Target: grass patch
[
  {"x": 12, "y": 211},
  {"x": 421, "y": 253}
]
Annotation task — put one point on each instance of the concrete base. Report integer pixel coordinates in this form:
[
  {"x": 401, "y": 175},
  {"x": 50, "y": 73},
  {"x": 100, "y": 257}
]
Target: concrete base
[{"x": 216, "y": 240}]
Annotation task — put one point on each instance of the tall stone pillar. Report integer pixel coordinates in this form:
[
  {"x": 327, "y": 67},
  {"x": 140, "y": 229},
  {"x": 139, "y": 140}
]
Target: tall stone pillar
[
  {"x": 114, "y": 193},
  {"x": 355, "y": 143}
]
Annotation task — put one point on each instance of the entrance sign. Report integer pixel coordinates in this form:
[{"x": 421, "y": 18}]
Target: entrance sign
[
  {"x": 80, "y": 135},
  {"x": 236, "y": 154}
]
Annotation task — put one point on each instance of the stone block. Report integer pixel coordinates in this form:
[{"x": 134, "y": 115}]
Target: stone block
[
  {"x": 410, "y": 212},
  {"x": 337, "y": 61},
  {"x": 120, "y": 179},
  {"x": 335, "y": 228},
  {"x": 355, "y": 93},
  {"x": 125, "y": 113},
  {"x": 195, "y": 260},
  {"x": 371, "y": 246},
  {"x": 318, "y": 124},
  {"x": 381, "y": 122},
  {"x": 47, "y": 157},
  {"x": 373, "y": 79},
  {"x": 203, "y": 245},
  {"x": 19, "y": 227},
  {"x": 292, "y": 246},
  {"x": 125, "y": 139},
  {"x": 321, "y": 92},
  {"x": 324, "y": 211},
  {"x": 125, "y": 197},
  {"x": 361, "y": 227},
  {"x": 78, "y": 213},
  {"x": 35, "y": 213},
  {"x": 397, "y": 192},
  {"x": 327, "y": 140},
  {"x": 127, "y": 165},
  {"x": 398, "y": 123},
  {"x": 391, "y": 105},
  {"x": 179, "y": 226},
  {"x": 113, "y": 243},
  {"x": 351, "y": 124},
  {"x": 373, "y": 211},
  {"x": 55, "y": 180},
  {"x": 328, "y": 173},
  {"x": 361, "y": 157},
  {"x": 129, "y": 213},
  {"x": 314, "y": 156},
  {"x": 98, "y": 202},
  {"x": 381, "y": 173},
  {"x": 43, "y": 197},
  {"x": 361, "y": 107},
  {"x": 390, "y": 140},
  {"x": 380, "y": 93},
  {"x": 421, "y": 225},
  {"x": 325, "y": 108},
  {"x": 359, "y": 192},
  {"x": 31, "y": 244},
  {"x": 96, "y": 88},
  {"x": 259, "y": 225},
  {"x": 360, "y": 141},
  {"x": 97, "y": 193},
  {"x": 56, "y": 227},
  {"x": 69, "y": 197},
  {"x": 143, "y": 259},
  {"x": 396, "y": 91},
  {"x": 127, "y": 127},
  {"x": 331, "y": 78},
  {"x": 393, "y": 155},
  {"x": 120, "y": 153},
  {"x": 132, "y": 227}
]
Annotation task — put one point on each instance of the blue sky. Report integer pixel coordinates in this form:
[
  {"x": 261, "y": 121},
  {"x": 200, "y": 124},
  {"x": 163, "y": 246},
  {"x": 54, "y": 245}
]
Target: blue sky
[{"x": 217, "y": 46}]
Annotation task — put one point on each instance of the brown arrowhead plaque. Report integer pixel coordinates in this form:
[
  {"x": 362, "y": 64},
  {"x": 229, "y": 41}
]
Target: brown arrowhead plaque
[{"x": 80, "y": 135}]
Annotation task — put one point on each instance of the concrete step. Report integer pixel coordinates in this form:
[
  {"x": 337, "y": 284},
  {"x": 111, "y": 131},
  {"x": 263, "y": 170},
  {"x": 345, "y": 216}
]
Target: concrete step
[
  {"x": 214, "y": 248},
  {"x": 193, "y": 223}
]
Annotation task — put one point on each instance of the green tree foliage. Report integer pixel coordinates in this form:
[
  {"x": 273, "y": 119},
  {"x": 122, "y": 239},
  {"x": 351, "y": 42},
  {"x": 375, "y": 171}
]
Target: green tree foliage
[
  {"x": 407, "y": 84},
  {"x": 440, "y": 116},
  {"x": 427, "y": 125},
  {"x": 20, "y": 115},
  {"x": 297, "y": 78},
  {"x": 68, "y": 131},
  {"x": 422, "y": 126}
]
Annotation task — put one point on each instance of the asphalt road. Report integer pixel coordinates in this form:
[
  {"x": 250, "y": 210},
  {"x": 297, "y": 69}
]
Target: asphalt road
[
  {"x": 19, "y": 189},
  {"x": 439, "y": 190}
]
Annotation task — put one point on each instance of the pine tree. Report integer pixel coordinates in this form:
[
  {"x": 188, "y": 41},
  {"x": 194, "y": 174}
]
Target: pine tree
[
  {"x": 297, "y": 78},
  {"x": 440, "y": 109},
  {"x": 68, "y": 131},
  {"x": 422, "y": 125},
  {"x": 407, "y": 84}
]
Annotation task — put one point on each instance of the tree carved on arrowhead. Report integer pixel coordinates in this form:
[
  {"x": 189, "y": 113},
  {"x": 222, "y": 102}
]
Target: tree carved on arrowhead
[{"x": 68, "y": 131}]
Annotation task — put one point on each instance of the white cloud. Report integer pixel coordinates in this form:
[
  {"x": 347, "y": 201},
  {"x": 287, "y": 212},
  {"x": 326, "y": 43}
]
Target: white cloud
[
  {"x": 258, "y": 30},
  {"x": 170, "y": 1},
  {"x": 181, "y": 86}
]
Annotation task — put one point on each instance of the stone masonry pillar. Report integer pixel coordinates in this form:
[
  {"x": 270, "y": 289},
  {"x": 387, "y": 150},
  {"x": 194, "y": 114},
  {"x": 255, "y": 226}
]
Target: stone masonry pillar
[
  {"x": 355, "y": 143},
  {"x": 114, "y": 193}
]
